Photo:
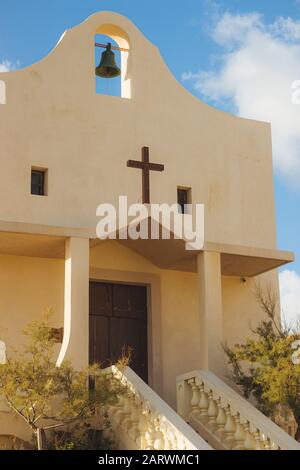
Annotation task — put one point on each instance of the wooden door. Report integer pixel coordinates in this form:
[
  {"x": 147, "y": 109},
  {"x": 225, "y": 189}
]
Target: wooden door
[{"x": 118, "y": 320}]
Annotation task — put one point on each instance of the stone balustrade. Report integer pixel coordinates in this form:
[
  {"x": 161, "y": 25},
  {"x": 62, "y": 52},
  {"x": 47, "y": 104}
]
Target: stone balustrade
[
  {"x": 141, "y": 420},
  {"x": 225, "y": 419}
]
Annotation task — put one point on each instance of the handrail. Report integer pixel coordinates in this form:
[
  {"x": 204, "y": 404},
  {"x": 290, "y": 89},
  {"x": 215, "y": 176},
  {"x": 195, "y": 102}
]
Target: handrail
[
  {"x": 227, "y": 419},
  {"x": 142, "y": 420}
]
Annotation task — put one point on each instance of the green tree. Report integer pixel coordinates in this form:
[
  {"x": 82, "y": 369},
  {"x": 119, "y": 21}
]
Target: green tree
[
  {"x": 266, "y": 366},
  {"x": 48, "y": 397}
]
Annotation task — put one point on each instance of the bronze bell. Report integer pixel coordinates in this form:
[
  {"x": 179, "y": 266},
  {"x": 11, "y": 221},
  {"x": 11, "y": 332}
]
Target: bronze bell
[{"x": 108, "y": 67}]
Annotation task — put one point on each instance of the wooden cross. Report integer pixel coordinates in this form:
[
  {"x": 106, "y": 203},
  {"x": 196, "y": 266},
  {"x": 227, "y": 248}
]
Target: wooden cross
[{"x": 146, "y": 167}]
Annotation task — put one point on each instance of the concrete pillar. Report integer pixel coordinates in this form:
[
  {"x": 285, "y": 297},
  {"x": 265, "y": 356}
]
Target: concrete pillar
[
  {"x": 210, "y": 312},
  {"x": 75, "y": 345}
]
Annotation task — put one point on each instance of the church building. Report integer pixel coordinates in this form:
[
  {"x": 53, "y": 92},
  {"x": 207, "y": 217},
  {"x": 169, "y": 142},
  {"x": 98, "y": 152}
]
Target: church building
[{"x": 66, "y": 148}]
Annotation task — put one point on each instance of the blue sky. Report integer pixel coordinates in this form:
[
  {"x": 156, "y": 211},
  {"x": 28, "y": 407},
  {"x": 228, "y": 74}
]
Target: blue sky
[{"x": 198, "y": 40}]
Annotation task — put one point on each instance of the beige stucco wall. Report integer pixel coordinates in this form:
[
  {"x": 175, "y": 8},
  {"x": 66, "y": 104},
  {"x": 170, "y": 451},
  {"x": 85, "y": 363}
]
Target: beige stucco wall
[
  {"x": 54, "y": 119},
  {"x": 28, "y": 287},
  {"x": 241, "y": 310},
  {"x": 180, "y": 328}
]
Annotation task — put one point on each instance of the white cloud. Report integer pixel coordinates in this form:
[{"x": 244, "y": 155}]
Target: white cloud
[
  {"x": 6, "y": 66},
  {"x": 288, "y": 28},
  {"x": 233, "y": 29},
  {"x": 290, "y": 297},
  {"x": 257, "y": 68}
]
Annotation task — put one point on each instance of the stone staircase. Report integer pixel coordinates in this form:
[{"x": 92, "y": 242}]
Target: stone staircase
[
  {"x": 141, "y": 420},
  {"x": 225, "y": 419},
  {"x": 210, "y": 416}
]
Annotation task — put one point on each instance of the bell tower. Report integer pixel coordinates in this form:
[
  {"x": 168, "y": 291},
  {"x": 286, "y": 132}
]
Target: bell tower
[{"x": 114, "y": 60}]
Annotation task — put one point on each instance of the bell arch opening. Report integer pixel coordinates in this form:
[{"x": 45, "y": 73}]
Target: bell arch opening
[{"x": 108, "y": 61}]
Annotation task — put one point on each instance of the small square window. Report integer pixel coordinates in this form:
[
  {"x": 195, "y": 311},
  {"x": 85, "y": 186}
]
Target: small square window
[
  {"x": 183, "y": 198},
  {"x": 38, "y": 182}
]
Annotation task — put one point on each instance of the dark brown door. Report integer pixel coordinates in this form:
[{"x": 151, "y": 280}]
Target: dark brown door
[{"x": 118, "y": 320}]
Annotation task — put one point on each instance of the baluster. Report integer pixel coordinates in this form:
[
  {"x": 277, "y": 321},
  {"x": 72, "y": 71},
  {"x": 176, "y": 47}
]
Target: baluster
[
  {"x": 127, "y": 412},
  {"x": 185, "y": 445},
  {"x": 239, "y": 436},
  {"x": 108, "y": 428},
  {"x": 212, "y": 413},
  {"x": 195, "y": 397},
  {"x": 135, "y": 417},
  {"x": 150, "y": 433},
  {"x": 274, "y": 446},
  {"x": 267, "y": 444},
  {"x": 112, "y": 408},
  {"x": 118, "y": 415},
  {"x": 220, "y": 421},
  {"x": 173, "y": 439},
  {"x": 180, "y": 442},
  {"x": 249, "y": 443},
  {"x": 159, "y": 441},
  {"x": 203, "y": 405},
  {"x": 229, "y": 429},
  {"x": 115, "y": 407},
  {"x": 258, "y": 441},
  {"x": 168, "y": 435},
  {"x": 142, "y": 428}
]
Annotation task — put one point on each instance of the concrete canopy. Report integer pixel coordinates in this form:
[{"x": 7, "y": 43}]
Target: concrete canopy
[{"x": 49, "y": 242}]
